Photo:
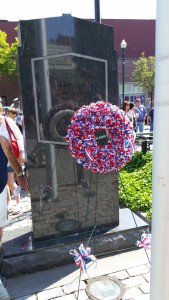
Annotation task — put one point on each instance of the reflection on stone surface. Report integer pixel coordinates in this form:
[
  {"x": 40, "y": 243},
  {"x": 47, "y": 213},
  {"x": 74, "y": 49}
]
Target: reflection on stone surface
[
  {"x": 80, "y": 205},
  {"x": 64, "y": 63}
]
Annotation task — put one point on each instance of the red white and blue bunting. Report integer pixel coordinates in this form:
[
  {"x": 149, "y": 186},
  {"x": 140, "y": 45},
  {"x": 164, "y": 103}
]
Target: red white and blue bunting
[
  {"x": 145, "y": 241},
  {"x": 81, "y": 257}
]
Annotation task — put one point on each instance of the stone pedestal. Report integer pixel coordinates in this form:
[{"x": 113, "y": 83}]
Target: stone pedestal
[{"x": 22, "y": 256}]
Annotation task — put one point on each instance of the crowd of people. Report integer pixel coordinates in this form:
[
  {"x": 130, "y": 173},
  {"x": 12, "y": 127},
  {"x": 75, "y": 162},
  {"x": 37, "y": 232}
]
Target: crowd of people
[{"x": 138, "y": 114}]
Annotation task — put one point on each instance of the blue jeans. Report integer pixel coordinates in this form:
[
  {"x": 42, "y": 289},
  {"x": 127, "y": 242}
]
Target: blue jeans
[{"x": 140, "y": 126}]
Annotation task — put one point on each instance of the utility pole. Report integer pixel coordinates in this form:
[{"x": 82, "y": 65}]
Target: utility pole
[
  {"x": 123, "y": 48},
  {"x": 159, "y": 286},
  {"x": 97, "y": 11}
]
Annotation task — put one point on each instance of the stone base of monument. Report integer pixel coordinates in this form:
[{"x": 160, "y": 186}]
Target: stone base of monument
[{"x": 22, "y": 256}]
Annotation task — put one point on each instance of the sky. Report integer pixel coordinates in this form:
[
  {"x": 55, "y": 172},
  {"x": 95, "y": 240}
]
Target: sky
[{"x": 15, "y": 10}]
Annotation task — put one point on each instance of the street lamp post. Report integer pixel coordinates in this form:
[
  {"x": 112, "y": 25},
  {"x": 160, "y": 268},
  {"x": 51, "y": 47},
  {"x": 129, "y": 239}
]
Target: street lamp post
[
  {"x": 123, "y": 48},
  {"x": 97, "y": 11}
]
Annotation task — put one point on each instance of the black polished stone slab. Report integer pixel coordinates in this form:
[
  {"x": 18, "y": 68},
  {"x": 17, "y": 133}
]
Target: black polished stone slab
[{"x": 65, "y": 62}]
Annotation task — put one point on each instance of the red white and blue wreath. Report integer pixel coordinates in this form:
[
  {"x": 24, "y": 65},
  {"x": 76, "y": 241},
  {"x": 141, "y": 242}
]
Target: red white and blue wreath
[{"x": 82, "y": 132}]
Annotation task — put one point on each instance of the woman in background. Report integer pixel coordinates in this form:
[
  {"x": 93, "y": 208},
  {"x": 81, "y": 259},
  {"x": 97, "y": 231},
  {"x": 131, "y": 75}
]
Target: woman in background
[
  {"x": 132, "y": 116},
  {"x": 126, "y": 106}
]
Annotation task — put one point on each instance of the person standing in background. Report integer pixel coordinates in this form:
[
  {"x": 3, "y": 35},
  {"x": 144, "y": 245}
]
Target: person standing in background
[
  {"x": 126, "y": 106},
  {"x": 148, "y": 108},
  {"x": 151, "y": 115},
  {"x": 16, "y": 104},
  {"x": 142, "y": 113},
  {"x": 132, "y": 115}
]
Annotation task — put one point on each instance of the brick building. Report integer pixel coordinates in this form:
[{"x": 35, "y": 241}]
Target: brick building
[
  {"x": 139, "y": 35},
  {"x": 9, "y": 88}
]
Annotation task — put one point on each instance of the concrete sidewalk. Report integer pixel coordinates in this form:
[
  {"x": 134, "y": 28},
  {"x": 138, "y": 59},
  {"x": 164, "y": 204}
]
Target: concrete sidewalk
[{"x": 132, "y": 268}]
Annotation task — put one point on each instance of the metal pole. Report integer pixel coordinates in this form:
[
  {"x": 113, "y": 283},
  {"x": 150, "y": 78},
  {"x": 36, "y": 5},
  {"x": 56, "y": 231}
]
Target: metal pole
[
  {"x": 50, "y": 152},
  {"x": 159, "y": 285},
  {"x": 123, "y": 62},
  {"x": 97, "y": 11}
]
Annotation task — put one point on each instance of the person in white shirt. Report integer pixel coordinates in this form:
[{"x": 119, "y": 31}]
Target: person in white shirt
[{"x": 13, "y": 187}]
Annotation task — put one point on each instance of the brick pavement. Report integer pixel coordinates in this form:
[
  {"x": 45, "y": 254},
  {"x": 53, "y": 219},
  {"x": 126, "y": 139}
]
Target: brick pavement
[
  {"x": 63, "y": 283},
  {"x": 131, "y": 268}
]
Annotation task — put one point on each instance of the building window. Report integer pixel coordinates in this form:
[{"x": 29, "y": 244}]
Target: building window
[{"x": 3, "y": 100}]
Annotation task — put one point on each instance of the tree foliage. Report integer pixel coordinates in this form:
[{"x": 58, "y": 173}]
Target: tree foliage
[
  {"x": 8, "y": 56},
  {"x": 144, "y": 73}
]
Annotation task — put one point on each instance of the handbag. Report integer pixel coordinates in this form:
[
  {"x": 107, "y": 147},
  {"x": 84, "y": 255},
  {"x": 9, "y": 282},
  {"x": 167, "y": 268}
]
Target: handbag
[{"x": 13, "y": 140}]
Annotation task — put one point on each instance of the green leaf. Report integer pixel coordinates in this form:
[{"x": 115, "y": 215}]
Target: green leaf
[{"x": 135, "y": 183}]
